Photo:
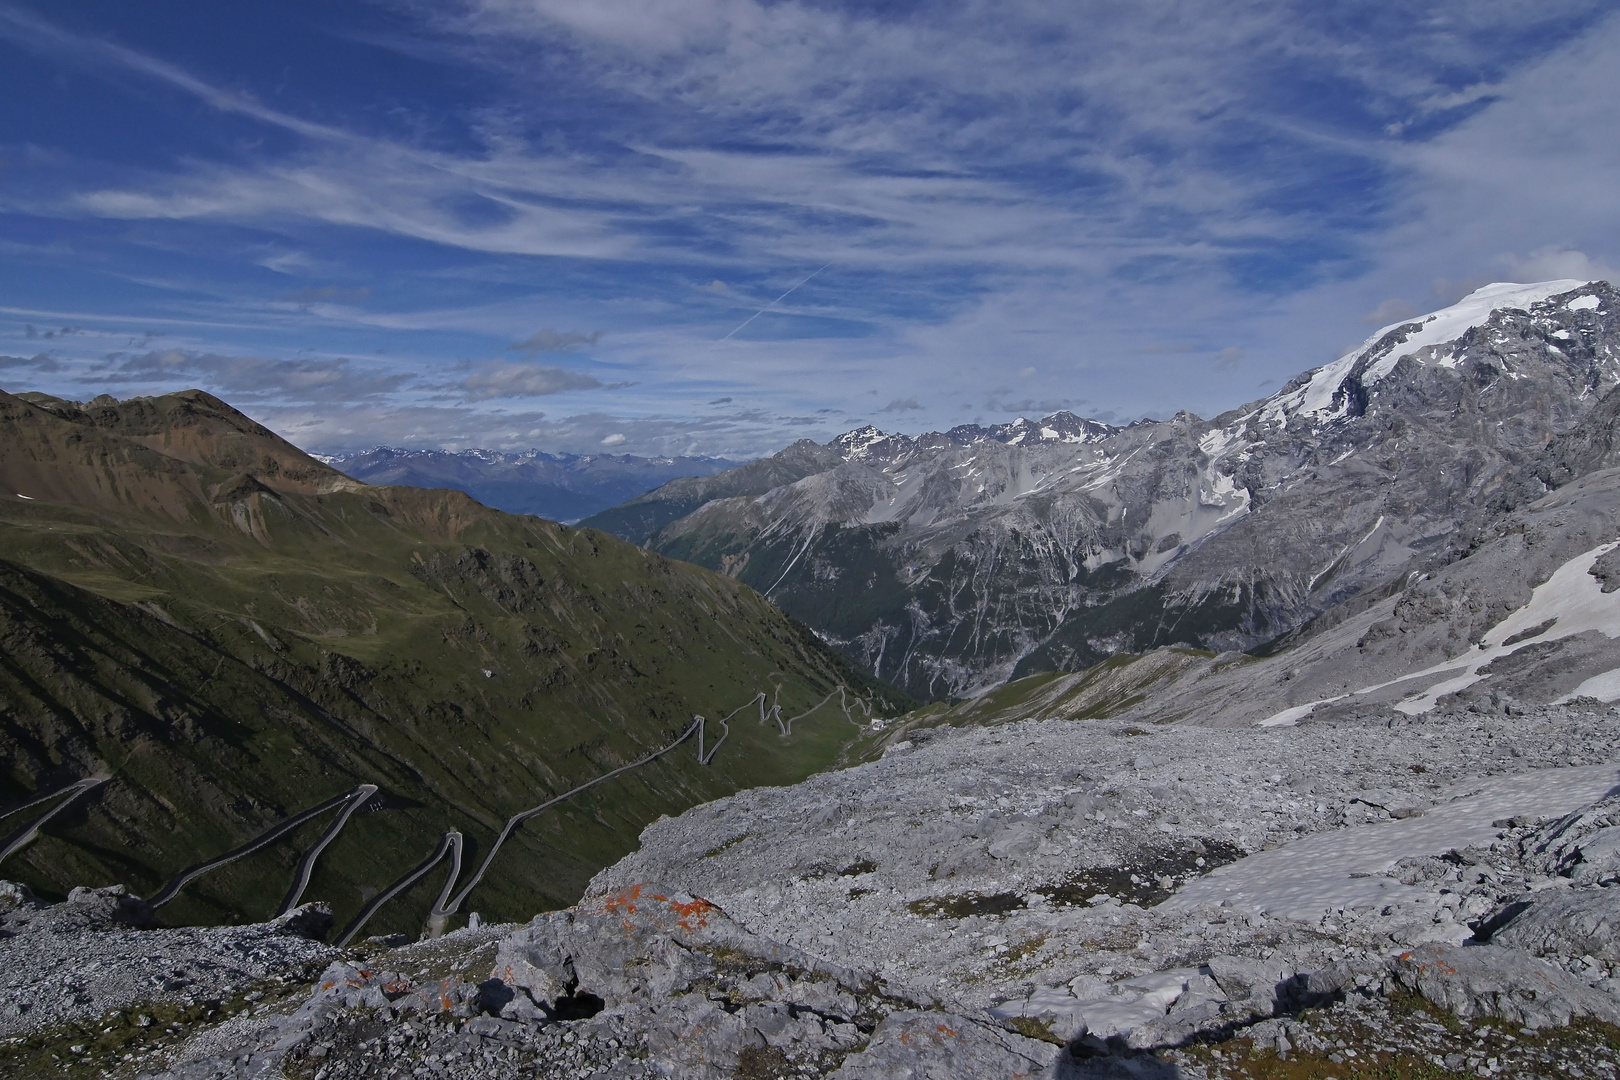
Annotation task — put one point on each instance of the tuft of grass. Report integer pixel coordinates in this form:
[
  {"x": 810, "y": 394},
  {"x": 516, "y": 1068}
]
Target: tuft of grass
[
  {"x": 725, "y": 847},
  {"x": 1031, "y": 1027}
]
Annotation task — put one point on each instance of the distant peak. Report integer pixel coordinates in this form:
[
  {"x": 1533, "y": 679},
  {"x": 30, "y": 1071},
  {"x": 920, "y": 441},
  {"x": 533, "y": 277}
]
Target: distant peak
[
  {"x": 1059, "y": 427},
  {"x": 859, "y": 443},
  {"x": 1319, "y": 393}
]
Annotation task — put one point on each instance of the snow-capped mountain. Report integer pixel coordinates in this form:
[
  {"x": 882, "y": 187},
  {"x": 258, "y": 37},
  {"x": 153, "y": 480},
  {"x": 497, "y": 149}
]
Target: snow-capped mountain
[
  {"x": 948, "y": 562},
  {"x": 563, "y": 487}
]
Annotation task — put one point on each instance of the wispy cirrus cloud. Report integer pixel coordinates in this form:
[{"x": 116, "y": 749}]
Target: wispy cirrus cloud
[{"x": 989, "y": 187}]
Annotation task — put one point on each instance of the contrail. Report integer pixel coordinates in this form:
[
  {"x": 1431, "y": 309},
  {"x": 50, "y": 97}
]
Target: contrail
[{"x": 778, "y": 300}]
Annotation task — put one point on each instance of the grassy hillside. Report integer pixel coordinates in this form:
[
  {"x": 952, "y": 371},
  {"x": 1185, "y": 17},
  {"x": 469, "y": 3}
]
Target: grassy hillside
[{"x": 237, "y": 632}]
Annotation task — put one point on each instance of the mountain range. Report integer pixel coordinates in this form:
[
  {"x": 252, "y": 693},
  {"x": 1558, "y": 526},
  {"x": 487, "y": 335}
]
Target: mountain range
[
  {"x": 949, "y": 563},
  {"x": 562, "y": 487}
]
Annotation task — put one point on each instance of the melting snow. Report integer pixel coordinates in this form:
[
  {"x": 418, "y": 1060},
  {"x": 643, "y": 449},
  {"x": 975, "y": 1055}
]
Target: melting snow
[
  {"x": 1583, "y": 303},
  {"x": 1604, "y": 687},
  {"x": 1216, "y": 441},
  {"x": 1571, "y": 596},
  {"x": 1292, "y": 716},
  {"x": 1572, "y": 600}
]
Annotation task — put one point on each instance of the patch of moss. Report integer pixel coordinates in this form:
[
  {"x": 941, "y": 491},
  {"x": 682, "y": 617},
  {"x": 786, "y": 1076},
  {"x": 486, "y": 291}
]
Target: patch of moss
[
  {"x": 725, "y": 847},
  {"x": 966, "y": 905}
]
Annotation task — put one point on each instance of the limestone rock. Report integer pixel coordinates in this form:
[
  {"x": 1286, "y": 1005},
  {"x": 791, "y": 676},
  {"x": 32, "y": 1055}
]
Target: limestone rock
[
  {"x": 944, "y": 1046},
  {"x": 1567, "y": 922},
  {"x": 1487, "y": 980},
  {"x": 1257, "y": 984},
  {"x": 1584, "y": 847}
]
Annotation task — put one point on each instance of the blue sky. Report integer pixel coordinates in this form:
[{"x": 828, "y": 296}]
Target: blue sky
[{"x": 715, "y": 226}]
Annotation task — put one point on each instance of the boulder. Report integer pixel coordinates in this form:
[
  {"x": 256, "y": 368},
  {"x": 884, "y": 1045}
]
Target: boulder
[
  {"x": 1487, "y": 980},
  {"x": 638, "y": 944},
  {"x": 1567, "y": 922},
  {"x": 1258, "y": 985}
]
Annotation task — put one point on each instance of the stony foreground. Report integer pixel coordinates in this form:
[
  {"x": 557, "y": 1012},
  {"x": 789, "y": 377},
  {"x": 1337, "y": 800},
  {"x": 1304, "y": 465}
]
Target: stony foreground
[{"x": 1375, "y": 895}]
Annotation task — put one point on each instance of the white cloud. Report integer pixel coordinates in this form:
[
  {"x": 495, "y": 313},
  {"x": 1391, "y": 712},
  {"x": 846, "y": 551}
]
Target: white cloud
[
  {"x": 998, "y": 186},
  {"x": 1524, "y": 188},
  {"x": 1551, "y": 263},
  {"x": 1388, "y": 311},
  {"x": 499, "y": 379}
]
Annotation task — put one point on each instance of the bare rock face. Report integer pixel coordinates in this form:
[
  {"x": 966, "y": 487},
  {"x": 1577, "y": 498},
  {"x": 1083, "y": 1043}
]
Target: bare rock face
[
  {"x": 711, "y": 993},
  {"x": 1488, "y": 980},
  {"x": 1583, "y": 847},
  {"x": 83, "y": 958},
  {"x": 1261, "y": 984},
  {"x": 943, "y": 1046},
  {"x": 1567, "y": 922}
]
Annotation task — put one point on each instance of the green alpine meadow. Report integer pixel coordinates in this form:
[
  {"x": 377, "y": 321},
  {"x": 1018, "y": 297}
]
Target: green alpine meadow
[{"x": 232, "y": 632}]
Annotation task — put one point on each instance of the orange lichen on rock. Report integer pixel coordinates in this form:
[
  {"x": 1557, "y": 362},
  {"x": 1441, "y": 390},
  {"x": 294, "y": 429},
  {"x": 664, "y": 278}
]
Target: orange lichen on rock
[
  {"x": 624, "y": 899},
  {"x": 696, "y": 909}
]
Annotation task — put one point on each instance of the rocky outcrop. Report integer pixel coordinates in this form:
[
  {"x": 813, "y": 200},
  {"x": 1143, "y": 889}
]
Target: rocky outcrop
[
  {"x": 1491, "y": 981},
  {"x": 1079, "y": 943},
  {"x": 1567, "y": 922},
  {"x": 86, "y": 958},
  {"x": 642, "y": 983}
]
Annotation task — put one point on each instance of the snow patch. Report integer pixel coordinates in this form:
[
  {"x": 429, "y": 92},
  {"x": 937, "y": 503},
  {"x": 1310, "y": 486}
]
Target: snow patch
[
  {"x": 1583, "y": 303},
  {"x": 1453, "y": 322},
  {"x": 1604, "y": 687},
  {"x": 1316, "y": 397},
  {"x": 1292, "y": 716},
  {"x": 1572, "y": 600}
]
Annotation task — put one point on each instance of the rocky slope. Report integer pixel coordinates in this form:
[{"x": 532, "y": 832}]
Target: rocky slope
[
  {"x": 947, "y": 563},
  {"x": 1526, "y": 614},
  {"x": 234, "y": 632},
  {"x": 561, "y": 487},
  {"x": 1387, "y": 895}
]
